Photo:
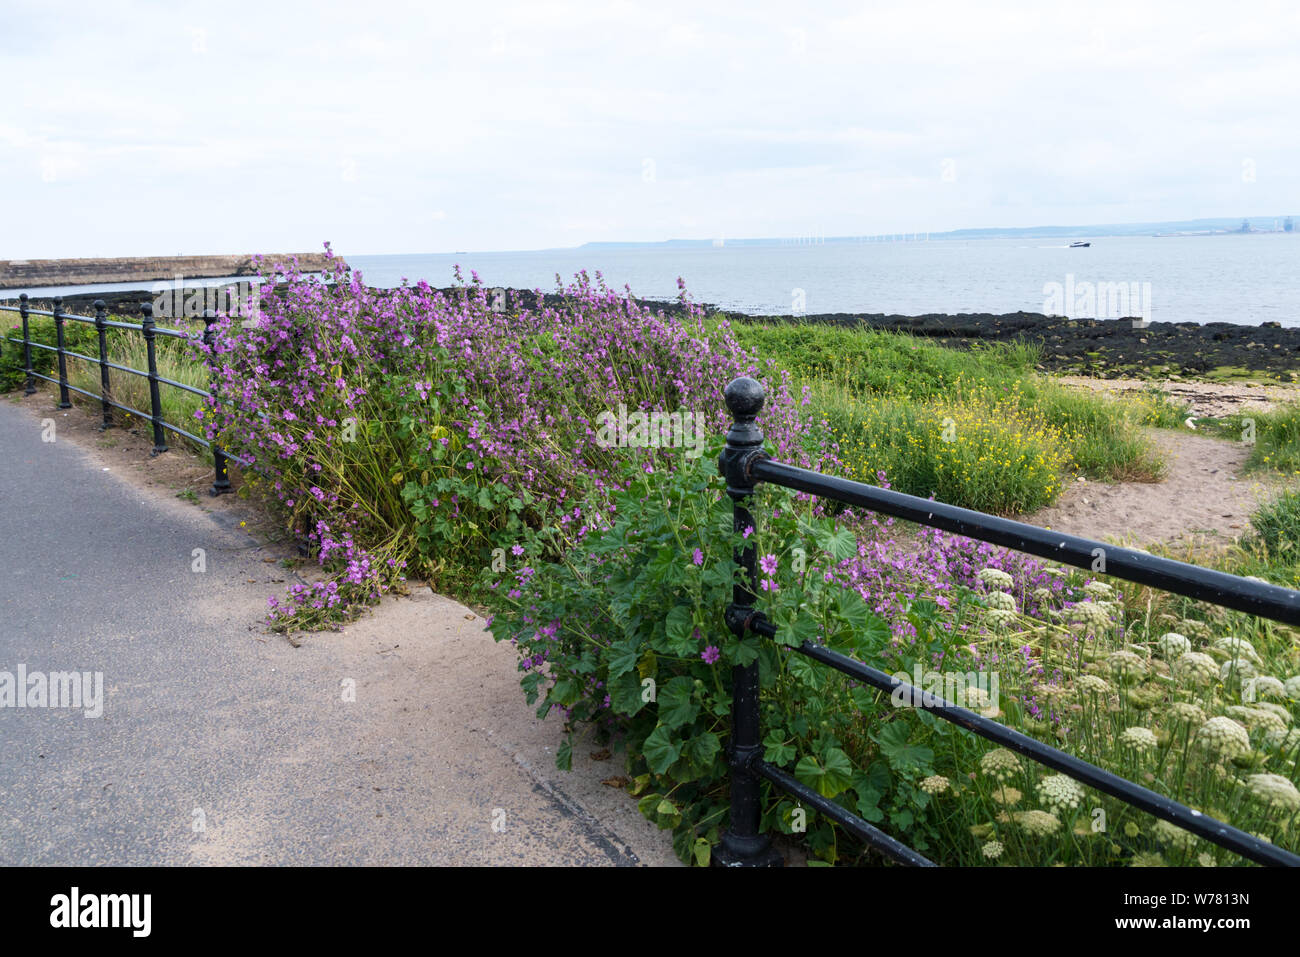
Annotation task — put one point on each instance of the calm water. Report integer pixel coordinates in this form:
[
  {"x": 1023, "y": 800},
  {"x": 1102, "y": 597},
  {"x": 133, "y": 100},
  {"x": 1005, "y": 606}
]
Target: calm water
[{"x": 1244, "y": 279}]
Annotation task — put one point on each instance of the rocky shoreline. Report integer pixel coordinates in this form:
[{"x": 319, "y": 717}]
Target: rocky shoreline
[{"x": 1098, "y": 348}]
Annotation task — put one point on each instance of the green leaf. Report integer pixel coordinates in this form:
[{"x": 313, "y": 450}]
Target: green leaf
[
  {"x": 660, "y": 749},
  {"x": 702, "y": 749},
  {"x": 622, "y": 658},
  {"x": 679, "y": 629},
  {"x": 675, "y": 705},
  {"x": 902, "y": 756},
  {"x": 829, "y": 776},
  {"x": 625, "y": 694},
  {"x": 702, "y": 850},
  {"x": 776, "y": 750},
  {"x": 564, "y": 755}
]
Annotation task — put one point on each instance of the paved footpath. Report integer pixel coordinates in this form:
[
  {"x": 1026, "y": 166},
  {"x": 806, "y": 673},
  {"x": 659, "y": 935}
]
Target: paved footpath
[{"x": 221, "y": 744}]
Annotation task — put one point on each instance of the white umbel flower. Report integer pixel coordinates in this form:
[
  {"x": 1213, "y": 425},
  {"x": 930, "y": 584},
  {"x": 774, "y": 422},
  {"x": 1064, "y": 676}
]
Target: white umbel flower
[
  {"x": 1174, "y": 837},
  {"x": 992, "y": 850},
  {"x": 995, "y": 578},
  {"x": 1292, "y": 687},
  {"x": 1283, "y": 739},
  {"x": 1186, "y": 711},
  {"x": 1240, "y": 668},
  {"x": 1265, "y": 686},
  {"x": 1000, "y": 764},
  {"x": 1224, "y": 737},
  {"x": 934, "y": 784},
  {"x": 1003, "y": 601},
  {"x": 1237, "y": 648},
  {"x": 1092, "y": 684},
  {"x": 1256, "y": 717},
  {"x": 1039, "y": 823},
  {"x": 1196, "y": 667},
  {"x": 1092, "y": 614},
  {"x": 1171, "y": 644},
  {"x": 1140, "y": 739},
  {"x": 1274, "y": 790},
  {"x": 1059, "y": 793},
  {"x": 1126, "y": 663}
]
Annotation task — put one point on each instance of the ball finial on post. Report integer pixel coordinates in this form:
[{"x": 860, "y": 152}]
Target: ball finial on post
[{"x": 744, "y": 398}]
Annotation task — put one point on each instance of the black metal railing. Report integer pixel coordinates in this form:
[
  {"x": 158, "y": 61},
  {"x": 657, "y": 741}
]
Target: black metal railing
[
  {"x": 150, "y": 331},
  {"x": 743, "y": 464}
]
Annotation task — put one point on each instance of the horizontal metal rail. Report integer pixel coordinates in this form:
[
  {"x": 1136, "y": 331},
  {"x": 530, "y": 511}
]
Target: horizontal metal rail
[
  {"x": 873, "y": 837},
  {"x": 1201, "y": 825},
  {"x": 150, "y": 330},
  {"x": 1193, "y": 581},
  {"x": 743, "y": 464}
]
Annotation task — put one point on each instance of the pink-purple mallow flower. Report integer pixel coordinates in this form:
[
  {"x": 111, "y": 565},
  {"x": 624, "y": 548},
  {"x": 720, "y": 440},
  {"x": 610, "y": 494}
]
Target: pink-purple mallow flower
[{"x": 710, "y": 655}]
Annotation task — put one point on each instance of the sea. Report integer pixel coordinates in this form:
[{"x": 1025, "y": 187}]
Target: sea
[{"x": 1247, "y": 278}]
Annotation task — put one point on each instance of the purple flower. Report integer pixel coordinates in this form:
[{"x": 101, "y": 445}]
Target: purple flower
[
  {"x": 768, "y": 564},
  {"x": 698, "y": 557},
  {"x": 710, "y": 655}
]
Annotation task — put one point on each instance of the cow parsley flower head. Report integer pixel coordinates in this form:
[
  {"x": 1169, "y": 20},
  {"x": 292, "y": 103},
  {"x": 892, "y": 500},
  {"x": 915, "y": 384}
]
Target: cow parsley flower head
[
  {"x": 1092, "y": 684},
  {"x": 1196, "y": 667},
  {"x": 1171, "y": 644},
  {"x": 934, "y": 784},
  {"x": 1174, "y": 837},
  {"x": 1206, "y": 859},
  {"x": 1000, "y": 617},
  {"x": 1283, "y": 739},
  {"x": 1257, "y": 717},
  {"x": 1292, "y": 687},
  {"x": 1237, "y": 647},
  {"x": 1008, "y": 797},
  {"x": 1186, "y": 711},
  {"x": 1000, "y": 764},
  {"x": 1093, "y": 614},
  {"x": 995, "y": 578},
  {"x": 1265, "y": 686},
  {"x": 1238, "y": 668},
  {"x": 1139, "y": 739},
  {"x": 992, "y": 850},
  {"x": 1224, "y": 737},
  {"x": 1147, "y": 859},
  {"x": 1099, "y": 590},
  {"x": 1126, "y": 664},
  {"x": 1001, "y": 600},
  {"x": 1060, "y": 793},
  {"x": 1038, "y": 823},
  {"x": 1274, "y": 790}
]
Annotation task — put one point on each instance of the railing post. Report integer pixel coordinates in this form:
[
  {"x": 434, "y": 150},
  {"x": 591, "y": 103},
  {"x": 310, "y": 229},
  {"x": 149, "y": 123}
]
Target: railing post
[
  {"x": 27, "y": 346},
  {"x": 155, "y": 400},
  {"x": 65, "y": 402},
  {"x": 221, "y": 484},
  {"x": 101, "y": 317},
  {"x": 742, "y": 844}
]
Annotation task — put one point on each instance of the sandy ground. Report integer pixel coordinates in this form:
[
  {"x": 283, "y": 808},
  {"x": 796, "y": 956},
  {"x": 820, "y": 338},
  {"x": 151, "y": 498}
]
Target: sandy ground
[
  {"x": 1203, "y": 499},
  {"x": 1205, "y": 398}
]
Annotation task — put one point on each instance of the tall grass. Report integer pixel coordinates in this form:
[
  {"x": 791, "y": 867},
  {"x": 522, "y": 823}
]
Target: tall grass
[
  {"x": 977, "y": 427},
  {"x": 177, "y": 360}
]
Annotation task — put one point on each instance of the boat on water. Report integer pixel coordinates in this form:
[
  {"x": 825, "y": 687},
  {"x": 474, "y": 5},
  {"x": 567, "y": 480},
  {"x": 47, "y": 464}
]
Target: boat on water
[{"x": 1080, "y": 245}]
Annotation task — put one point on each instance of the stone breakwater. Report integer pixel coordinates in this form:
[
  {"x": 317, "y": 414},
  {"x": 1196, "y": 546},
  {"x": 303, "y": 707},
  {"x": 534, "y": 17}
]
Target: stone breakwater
[{"x": 21, "y": 273}]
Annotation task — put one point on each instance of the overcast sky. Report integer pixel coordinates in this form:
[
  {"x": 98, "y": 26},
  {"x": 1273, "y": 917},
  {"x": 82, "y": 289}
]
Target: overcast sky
[{"x": 170, "y": 128}]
